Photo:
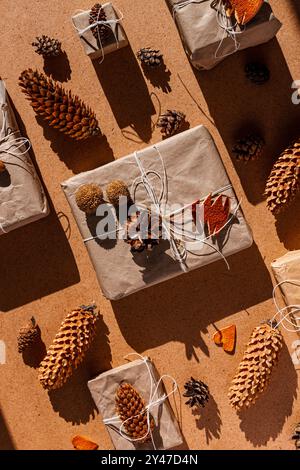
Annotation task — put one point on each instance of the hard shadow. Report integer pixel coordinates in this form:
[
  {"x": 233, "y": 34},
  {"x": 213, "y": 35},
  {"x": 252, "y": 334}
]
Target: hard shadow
[
  {"x": 209, "y": 420},
  {"x": 238, "y": 106},
  {"x": 5, "y": 179},
  {"x": 265, "y": 420},
  {"x": 296, "y": 6},
  {"x": 35, "y": 353},
  {"x": 6, "y": 441},
  {"x": 78, "y": 156},
  {"x": 159, "y": 77},
  {"x": 58, "y": 67},
  {"x": 288, "y": 226},
  {"x": 73, "y": 402},
  {"x": 126, "y": 92},
  {"x": 182, "y": 308}
]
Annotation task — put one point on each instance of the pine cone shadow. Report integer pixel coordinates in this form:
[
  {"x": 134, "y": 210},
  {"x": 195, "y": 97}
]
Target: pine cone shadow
[
  {"x": 58, "y": 67},
  {"x": 287, "y": 219},
  {"x": 73, "y": 402},
  {"x": 265, "y": 420},
  {"x": 5, "y": 179},
  {"x": 159, "y": 77},
  {"x": 209, "y": 420},
  {"x": 34, "y": 354},
  {"x": 185, "y": 126}
]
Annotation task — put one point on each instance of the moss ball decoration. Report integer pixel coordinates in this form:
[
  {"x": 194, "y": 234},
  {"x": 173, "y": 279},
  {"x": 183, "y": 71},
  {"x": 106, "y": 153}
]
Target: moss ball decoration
[
  {"x": 115, "y": 190},
  {"x": 88, "y": 197},
  {"x": 2, "y": 167}
]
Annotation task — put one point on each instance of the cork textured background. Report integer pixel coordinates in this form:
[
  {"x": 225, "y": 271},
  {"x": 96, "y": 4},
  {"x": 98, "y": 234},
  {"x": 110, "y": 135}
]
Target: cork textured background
[{"x": 45, "y": 270}]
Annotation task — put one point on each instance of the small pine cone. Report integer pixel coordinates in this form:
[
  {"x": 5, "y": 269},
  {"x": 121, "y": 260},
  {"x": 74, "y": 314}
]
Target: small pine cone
[
  {"x": 2, "y": 167},
  {"x": 59, "y": 108},
  {"x": 47, "y": 47},
  {"x": 69, "y": 347},
  {"x": 197, "y": 392},
  {"x": 97, "y": 13},
  {"x": 296, "y": 436},
  {"x": 254, "y": 371},
  {"x": 143, "y": 232},
  {"x": 284, "y": 181},
  {"x": 130, "y": 406},
  {"x": 170, "y": 122},
  {"x": 257, "y": 73},
  {"x": 28, "y": 335},
  {"x": 150, "y": 57},
  {"x": 248, "y": 148}
]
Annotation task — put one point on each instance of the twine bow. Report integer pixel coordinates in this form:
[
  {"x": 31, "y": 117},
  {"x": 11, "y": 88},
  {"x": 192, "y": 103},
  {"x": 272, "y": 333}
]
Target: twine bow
[{"x": 154, "y": 401}]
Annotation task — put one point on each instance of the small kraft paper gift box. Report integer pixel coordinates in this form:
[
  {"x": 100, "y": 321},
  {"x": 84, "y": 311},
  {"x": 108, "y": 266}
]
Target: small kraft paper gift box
[
  {"x": 100, "y": 31},
  {"x": 142, "y": 375},
  {"x": 174, "y": 178},
  {"x": 209, "y": 36},
  {"x": 22, "y": 198},
  {"x": 287, "y": 273}
]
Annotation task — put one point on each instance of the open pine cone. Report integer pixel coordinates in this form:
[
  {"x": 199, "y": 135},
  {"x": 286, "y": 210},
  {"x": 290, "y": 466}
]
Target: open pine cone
[
  {"x": 197, "y": 392},
  {"x": 170, "y": 122},
  {"x": 150, "y": 57},
  {"x": 47, "y": 47}
]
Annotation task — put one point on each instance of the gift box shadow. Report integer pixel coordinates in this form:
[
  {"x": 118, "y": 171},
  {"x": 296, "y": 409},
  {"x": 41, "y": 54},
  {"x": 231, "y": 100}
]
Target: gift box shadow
[
  {"x": 273, "y": 407},
  {"x": 183, "y": 307},
  {"x": 126, "y": 91},
  {"x": 6, "y": 440},
  {"x": 238, "y": 106},
  {"x": 73, "y": 402}
]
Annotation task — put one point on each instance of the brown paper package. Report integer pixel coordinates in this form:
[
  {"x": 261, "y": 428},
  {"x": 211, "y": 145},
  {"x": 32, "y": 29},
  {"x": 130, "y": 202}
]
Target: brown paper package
[
  {"x": 22, "y": 198},
  {"x": 288, "y": 268},
  {"x": 201, "y": 34},
  {"x": 194, "y": 170},
  {"x": 88, "y": 40},
  {"x": 104, "y": 387}
]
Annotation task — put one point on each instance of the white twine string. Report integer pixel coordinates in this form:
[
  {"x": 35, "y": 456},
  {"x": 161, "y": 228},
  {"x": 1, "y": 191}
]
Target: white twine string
[
  {"x": 286, "y": 315},
  {"x": 154, "y": 401},
  {"x": 10, "y": 145},
  {"x": 110, "y": 23}
]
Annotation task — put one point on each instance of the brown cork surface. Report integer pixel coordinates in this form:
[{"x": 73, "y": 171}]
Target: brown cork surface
[{"x": 45, "y": 270}]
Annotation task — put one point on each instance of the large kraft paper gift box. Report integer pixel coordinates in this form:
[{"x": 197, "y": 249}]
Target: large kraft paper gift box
[
  {"x": 194, "y": 169},
  {"x": 22, "y": 198},
  {"x": 287, "y": 269},
  {"x": 140, "y": 374},
  {"x": 116, "y": 39},
  {"x": 207, "y": 43}
]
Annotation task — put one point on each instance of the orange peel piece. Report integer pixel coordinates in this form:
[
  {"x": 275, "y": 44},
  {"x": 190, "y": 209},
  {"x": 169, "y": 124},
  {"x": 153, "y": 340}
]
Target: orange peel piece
[
  {"x": 82, "y": 443},
  {"x": 226, "y": 338}
]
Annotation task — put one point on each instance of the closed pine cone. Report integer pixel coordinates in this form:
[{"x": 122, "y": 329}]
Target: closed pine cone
[
  {"x": 284, "y": 181},
  {"x": 248, "y": 148},
  {"x": 143, "y": 232},
  {"x": 59, "y": 108},
  {"x": 170, "y": 122},
  {"x": 97, "y": 13},
  {"x": 130, "y": 407},
  {"x": 69, "y": 347},
  {"x": 150, "y": 57},
  {"x": 254, "y": 371},
  {"x": 47, "y": 47},
  {"x": 28, "y": 335}
]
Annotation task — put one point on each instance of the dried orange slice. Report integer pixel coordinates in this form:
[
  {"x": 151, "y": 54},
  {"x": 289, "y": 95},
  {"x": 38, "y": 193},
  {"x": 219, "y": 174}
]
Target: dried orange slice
[
  {"x": 243, "y": 10},
  {"x": 226, "y": 338}
]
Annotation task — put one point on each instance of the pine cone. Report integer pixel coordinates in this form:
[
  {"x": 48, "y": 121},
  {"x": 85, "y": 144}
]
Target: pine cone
[
  {"x": 130, "y": 406},
  {"x": 284, "y": 180},
  {"x": 296, "y": 436},
  {"x": 136, "y": 226},
  {"x": 257, "y": 73},
  {"x": 69, "y": 347},
  {"x": 170, "y": 122},
  {"x": 47, "y": 47},
  {"x": 59, "y": 108},
  {"x": 97, "y": 13},
  {"x": 28, "y": 335},
  {"x": 2, "y": 167},
  {"x": 150, "y": 57},
  {"x": 254, "y": 371},
  {"x": 197, "y": 392},
  {"x": 248, "y": 148}
]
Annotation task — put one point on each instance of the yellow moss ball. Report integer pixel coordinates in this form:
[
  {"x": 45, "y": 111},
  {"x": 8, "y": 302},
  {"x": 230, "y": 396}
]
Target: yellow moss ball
[
  {"x": 115, "y": 190},
  {"x": 88, "y": 197},
  {"x": 2, "y": 167}
]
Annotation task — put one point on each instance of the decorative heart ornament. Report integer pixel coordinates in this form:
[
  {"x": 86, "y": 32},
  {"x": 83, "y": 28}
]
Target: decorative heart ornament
[
  {"x": 226, "y": 338},
  {"x": 243, "y": 10}
]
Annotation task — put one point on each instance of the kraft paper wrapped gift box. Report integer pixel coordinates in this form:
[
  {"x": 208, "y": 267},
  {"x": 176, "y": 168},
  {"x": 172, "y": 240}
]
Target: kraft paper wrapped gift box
[
  {"x": 116, "y": 40},
  {"x": 285, "y": 269},
  {"x": 140, "y": 374},
  {"x": 206, "y": 42},
  {"x": 22, "y": 198},
  {"x": 194, "y": 169}
]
